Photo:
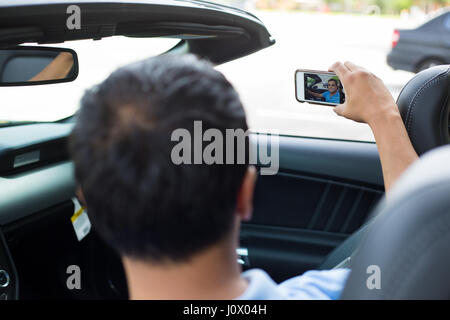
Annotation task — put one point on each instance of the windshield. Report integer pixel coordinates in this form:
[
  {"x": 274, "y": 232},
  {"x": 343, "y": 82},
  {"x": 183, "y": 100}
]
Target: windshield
[
  {"x": 314, "y": 35},
  {"x": 311, "y": 41},
  {"x": 97, "y": 59},
  {"x": 308, "y": 34}
]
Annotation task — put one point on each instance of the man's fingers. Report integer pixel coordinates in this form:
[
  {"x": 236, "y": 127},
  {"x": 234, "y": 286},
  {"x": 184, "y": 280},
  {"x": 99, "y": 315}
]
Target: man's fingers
[
  {"x": 340, "y": 69},
  {"x": 353, "y": 67}
]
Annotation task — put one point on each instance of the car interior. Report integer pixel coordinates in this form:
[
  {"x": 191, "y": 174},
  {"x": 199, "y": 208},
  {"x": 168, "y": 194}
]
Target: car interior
[
  {"x": 325, "y": 208},
  {"x": 313, "y": 81}
]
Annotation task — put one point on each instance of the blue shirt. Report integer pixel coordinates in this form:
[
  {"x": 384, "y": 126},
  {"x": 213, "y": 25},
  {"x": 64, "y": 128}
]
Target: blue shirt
[
  {"x": 336, "y": 98},
  {"x": 321, "y": 285}
]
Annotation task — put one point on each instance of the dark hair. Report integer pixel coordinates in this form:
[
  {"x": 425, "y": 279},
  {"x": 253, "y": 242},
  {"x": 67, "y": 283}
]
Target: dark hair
[
  {"x": 335, "y": 81},
  {"x": 138, "y": 200}
]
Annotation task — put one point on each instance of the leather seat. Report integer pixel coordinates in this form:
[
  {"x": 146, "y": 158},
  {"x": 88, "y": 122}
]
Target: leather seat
[
  {"x": 424, "y": 104},
  {"x": 409, "y": 239}
]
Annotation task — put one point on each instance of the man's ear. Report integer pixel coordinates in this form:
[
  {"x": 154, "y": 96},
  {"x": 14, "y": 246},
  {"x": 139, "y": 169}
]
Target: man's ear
[
  {"x": 244, "y": 207},
  {"x": 79, "y": 194}
]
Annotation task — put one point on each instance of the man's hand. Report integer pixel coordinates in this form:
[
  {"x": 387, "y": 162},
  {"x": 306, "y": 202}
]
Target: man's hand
[
  {"x": 369, "y": 101},
  {"x": 367, "y": 98}
]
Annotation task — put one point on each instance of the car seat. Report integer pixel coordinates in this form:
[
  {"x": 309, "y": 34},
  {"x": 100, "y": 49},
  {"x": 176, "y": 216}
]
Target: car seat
[
  {"x": 424, "y": 104},
  {"x": 341, "y": 93}
]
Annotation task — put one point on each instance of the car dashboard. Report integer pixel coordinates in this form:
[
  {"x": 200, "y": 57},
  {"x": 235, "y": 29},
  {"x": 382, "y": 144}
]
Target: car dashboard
[{"x": 37, "y": 239}]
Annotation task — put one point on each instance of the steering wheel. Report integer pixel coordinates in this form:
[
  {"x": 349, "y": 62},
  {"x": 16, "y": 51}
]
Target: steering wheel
[{"x": 311, "y": 97}]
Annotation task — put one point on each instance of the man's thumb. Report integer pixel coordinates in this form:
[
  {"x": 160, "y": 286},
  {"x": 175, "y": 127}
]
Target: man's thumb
[{"x": 339, "y": 110}]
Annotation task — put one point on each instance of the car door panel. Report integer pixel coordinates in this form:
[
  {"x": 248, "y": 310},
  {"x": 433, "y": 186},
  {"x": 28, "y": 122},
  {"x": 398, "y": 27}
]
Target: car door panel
[{"x": 323, "y": 192}]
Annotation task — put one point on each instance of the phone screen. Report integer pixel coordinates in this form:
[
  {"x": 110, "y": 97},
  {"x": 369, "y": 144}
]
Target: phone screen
[{"x": 319, "y": 87}]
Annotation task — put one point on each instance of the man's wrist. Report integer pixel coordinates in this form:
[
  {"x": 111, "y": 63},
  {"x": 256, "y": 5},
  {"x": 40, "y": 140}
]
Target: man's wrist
[{"x": 386, "y": 118}]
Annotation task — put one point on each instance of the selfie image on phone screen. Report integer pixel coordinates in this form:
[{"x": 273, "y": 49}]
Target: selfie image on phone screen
[{"x": 319, "y": 87}]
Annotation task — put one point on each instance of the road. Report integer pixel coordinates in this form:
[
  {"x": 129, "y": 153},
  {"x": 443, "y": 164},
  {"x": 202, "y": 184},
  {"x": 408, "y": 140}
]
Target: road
[{"x": 265, "y": 80}]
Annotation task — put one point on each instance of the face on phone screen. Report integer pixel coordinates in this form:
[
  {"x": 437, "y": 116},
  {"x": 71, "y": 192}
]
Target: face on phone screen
[{"x": 319, "y": 87}]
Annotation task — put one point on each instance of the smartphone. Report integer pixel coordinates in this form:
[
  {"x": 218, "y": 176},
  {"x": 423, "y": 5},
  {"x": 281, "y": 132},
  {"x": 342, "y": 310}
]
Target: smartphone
[{"x": 318, "y": 87}]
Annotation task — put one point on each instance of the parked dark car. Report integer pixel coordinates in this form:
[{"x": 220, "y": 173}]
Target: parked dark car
[{"x": 424, "y": 47}]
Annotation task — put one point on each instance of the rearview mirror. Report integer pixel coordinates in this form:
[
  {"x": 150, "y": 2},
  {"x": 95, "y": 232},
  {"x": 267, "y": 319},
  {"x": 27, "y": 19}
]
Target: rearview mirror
[{"x": 27, "y": 65}]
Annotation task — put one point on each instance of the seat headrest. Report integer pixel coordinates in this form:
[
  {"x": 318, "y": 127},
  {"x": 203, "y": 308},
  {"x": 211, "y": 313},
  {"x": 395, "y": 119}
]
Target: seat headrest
[
  {"x": 424, "y": 105},
  {"x": 407, "y": 244}
]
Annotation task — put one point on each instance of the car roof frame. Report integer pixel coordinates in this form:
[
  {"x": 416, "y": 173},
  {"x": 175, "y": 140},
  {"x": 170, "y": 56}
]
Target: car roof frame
[{"x": 221, "y": 33}]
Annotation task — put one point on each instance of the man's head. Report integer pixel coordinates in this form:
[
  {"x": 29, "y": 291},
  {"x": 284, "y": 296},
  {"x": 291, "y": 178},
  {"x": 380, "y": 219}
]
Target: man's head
[
  {"x": 143, "y": 204},
  {"x": 332, "y": 85}
]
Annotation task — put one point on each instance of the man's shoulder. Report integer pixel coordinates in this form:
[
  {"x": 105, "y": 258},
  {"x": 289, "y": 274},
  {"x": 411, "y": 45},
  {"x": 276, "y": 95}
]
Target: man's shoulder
[
  {"x": 318, "y": 284},
  {"x": 326, "y": 284}
]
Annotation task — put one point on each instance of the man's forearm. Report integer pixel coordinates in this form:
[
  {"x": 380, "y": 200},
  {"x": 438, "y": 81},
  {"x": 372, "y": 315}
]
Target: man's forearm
[
  {"x": 394, "y": 147},
  {"x": 57, "y": 69},
  {"x": 315, "y": 94}
]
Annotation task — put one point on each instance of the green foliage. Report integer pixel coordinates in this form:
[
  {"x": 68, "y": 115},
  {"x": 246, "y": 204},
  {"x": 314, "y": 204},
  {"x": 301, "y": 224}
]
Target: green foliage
[{"x": 399, "y": 5}]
